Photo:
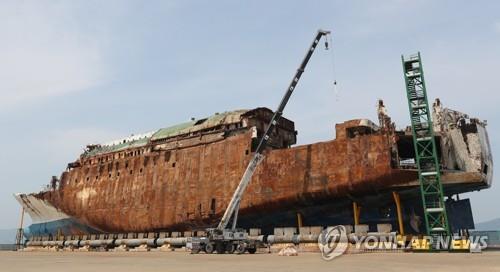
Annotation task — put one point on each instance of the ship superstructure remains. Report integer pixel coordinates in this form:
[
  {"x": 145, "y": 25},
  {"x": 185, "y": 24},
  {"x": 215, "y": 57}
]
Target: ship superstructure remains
[{"x": 182, "y": 177}]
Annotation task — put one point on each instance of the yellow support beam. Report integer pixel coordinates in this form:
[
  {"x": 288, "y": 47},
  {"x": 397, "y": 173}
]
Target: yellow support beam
[
  {"x": 299, "y": 220},
  {"x": 59, "y": 234},
  {"x": 356, "y": 211},
  {"x": 397, "y": 199}
]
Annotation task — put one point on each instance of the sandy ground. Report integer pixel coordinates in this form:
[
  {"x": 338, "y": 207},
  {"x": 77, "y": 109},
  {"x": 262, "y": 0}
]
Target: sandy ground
[{"x": 182, "y": 261}]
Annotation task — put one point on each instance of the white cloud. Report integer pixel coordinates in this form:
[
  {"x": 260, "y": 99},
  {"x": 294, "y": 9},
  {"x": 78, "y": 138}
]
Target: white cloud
[{"x": 43, "y": 53}]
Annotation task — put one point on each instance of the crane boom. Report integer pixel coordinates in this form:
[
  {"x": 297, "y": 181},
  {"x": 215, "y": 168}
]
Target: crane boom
[{"x": 258, "y": 156}]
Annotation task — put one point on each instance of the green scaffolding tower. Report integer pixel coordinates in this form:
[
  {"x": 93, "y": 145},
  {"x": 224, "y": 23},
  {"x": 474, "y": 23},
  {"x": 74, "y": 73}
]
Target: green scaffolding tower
[{"x": 425, "y": 150}]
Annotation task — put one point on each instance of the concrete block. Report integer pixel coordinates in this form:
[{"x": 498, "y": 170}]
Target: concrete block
[
  {"x": 361, "y": 229},
  {"x": 384, "y": 228},
  {"x": 279, "y": 232},
  {"x": 349, "y": 229},
  {"x": 289, "y": 231},
  {"x": 305, "y": 230},
  {"x": 255, "y": 232},
  {"x": 316, "y": 229}
]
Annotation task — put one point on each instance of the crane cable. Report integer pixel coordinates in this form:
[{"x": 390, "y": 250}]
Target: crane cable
[{"x": 329, "y": 40}]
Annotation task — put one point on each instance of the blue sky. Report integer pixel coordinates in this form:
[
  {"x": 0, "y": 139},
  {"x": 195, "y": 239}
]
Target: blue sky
[{"x": 78, "y": 72}]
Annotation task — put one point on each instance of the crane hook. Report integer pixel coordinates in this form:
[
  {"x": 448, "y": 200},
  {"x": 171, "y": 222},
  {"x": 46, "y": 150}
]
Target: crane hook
[{"x": 327, "y": 38}]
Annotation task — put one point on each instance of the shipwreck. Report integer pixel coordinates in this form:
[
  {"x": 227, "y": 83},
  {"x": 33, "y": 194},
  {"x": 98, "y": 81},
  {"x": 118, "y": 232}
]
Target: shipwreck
[{"x": 181, "y": 177}]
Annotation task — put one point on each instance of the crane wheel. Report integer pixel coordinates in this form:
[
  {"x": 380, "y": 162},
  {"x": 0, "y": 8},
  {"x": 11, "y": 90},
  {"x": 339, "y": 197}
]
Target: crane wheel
[
  {"x": 209, "y": 248},
  {"x": 240, "y": 249},
  {"x": 230, "y": 248}
]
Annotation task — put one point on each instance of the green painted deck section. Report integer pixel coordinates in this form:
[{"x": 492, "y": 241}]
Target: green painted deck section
[{"x": 217, "y": 119}]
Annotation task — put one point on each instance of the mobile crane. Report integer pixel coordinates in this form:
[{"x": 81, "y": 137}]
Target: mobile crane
[{"x": 233, "y": 240}]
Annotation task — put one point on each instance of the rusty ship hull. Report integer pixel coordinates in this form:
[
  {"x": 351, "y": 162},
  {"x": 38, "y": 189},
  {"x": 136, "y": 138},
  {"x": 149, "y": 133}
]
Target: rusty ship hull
[{"x": 182, "y": 177}]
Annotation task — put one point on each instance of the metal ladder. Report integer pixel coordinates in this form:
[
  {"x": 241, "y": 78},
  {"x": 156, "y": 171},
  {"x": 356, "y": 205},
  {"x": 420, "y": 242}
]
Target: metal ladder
[{"x": 436, "y": 220}]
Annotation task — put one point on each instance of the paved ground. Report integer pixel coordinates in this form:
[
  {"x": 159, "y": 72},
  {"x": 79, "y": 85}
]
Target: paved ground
[{"x": 182, "y": 261}]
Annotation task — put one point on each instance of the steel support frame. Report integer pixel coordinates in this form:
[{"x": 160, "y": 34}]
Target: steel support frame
[
  {"x": 436, "y": 220},
  {"x": 399, "y": 210}
]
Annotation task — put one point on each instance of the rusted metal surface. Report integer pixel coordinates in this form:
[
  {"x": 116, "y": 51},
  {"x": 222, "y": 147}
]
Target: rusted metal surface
[
  {"x": 186, "y": 181},
  {"x": 191, "y": 186},
  {"x": 464, "y": 140}
]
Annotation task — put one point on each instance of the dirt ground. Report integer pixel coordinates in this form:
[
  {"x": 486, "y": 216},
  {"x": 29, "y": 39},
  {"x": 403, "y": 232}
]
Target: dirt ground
[{"x": 183, "y": 261}]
